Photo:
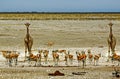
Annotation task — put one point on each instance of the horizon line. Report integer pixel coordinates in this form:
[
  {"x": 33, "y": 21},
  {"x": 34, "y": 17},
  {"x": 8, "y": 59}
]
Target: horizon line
[{"x": 54, "y": 12}]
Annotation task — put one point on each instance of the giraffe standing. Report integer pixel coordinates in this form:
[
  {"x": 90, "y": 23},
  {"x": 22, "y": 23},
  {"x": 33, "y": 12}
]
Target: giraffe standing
[
  {"x": 28, "y": 41},
  {"x": 111, "y": 41}
]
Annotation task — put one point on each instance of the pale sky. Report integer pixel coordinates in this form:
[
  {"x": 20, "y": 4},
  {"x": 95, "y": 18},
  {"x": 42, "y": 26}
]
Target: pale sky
[{"x": 60, "y": 5}]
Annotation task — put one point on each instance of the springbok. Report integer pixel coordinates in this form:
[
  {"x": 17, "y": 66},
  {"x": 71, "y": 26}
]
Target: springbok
[
  {"x": 62, "y": 52},
  {"x": 11, "y": 56},
  {"x": 96, "y": 58},
  {"x": 36, "y": 58},
  {"x": 81, "y": 57},
  {"x": 90, "y": 56},
  {"x": 78, "y": 54},
  {"x": 115, "y": 57},
  {"x": 55, "y": 57},
  {"x": 40, "y": 56},
  {"x": 68, "y": 57},
  {"x": 45, "y": 53},
  {"x": 50, "y": 43}
]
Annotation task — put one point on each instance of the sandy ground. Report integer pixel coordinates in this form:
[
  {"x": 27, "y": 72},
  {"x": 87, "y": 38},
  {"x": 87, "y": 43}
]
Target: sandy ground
[
  {"x": 72, "y": 35},
  {"x": 42, "y": 73},
  {"x": 64, "y": 33}
]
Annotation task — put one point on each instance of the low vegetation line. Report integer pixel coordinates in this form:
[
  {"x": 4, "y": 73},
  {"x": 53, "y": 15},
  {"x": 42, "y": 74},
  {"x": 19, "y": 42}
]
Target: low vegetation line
[{"x": 59, "y": 16}]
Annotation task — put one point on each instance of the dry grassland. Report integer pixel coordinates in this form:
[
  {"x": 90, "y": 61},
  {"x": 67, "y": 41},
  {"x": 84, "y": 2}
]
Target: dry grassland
[
  {"x": 58, "y": 16},
  {"x": 68, "y": 31}
]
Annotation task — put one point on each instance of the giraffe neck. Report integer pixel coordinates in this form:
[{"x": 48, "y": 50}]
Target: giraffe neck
[
  {"x": 27, "y": 30},
  {"x": 111, "y": 35},
  {"x": 27, "y": 33}
]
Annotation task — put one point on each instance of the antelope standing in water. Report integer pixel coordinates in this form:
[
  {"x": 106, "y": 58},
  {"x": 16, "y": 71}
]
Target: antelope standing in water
[{"x": 55, "y": 57}]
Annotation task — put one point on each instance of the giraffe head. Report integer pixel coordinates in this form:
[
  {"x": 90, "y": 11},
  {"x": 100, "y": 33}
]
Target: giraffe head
[
  {"x": 27, "y": 24},
  {"x": 110, "y": 24}
]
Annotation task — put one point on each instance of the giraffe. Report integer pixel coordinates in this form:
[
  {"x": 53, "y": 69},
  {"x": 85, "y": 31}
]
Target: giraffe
[
  {"x": 111, "y": 41},
  {"x": 28, "y": 41}
]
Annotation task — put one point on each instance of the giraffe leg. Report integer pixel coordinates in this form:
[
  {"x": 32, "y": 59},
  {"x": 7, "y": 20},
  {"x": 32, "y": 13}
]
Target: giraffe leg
[
  {"x": 29, "y": 50},
  {"x": 26, "y": 46},
  {"x": 108, "y": 53},
  {"x": 30, "y": 43},
  {"x": 25, "y": 55}
]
